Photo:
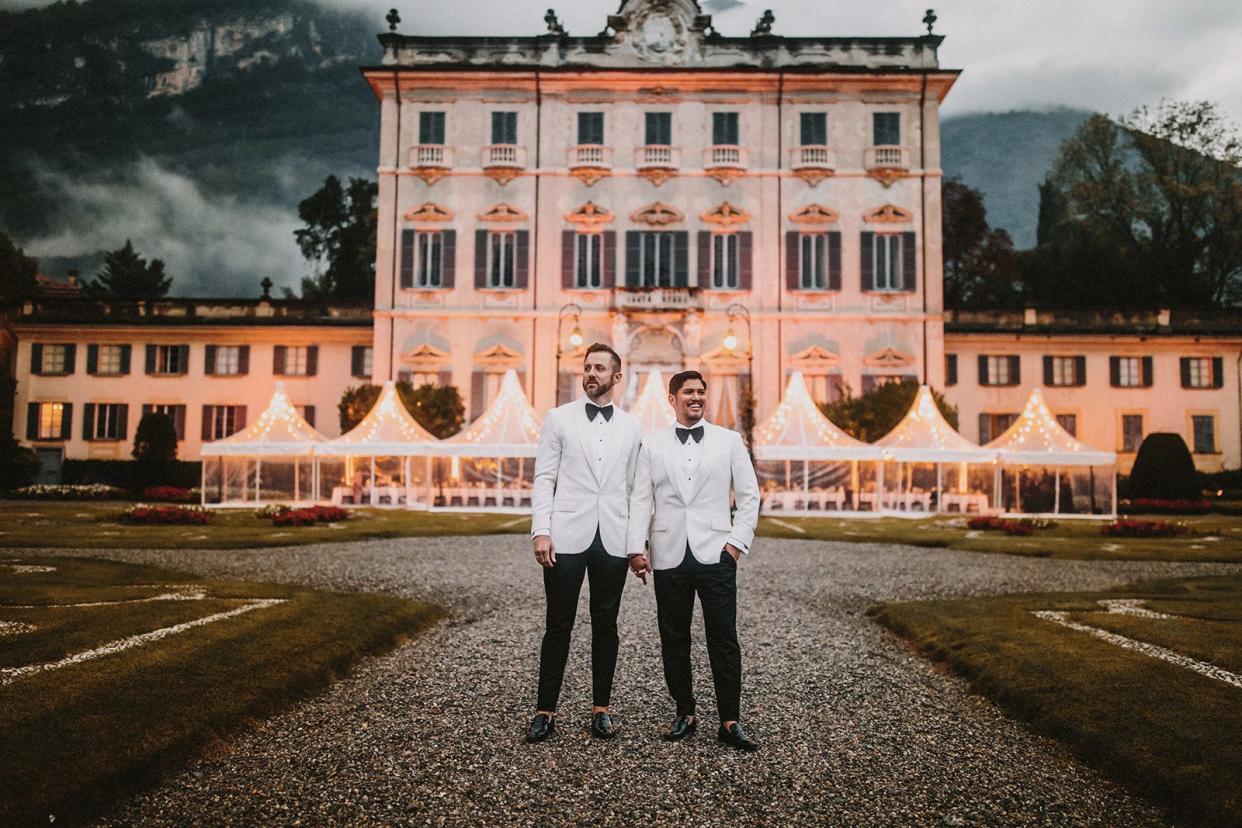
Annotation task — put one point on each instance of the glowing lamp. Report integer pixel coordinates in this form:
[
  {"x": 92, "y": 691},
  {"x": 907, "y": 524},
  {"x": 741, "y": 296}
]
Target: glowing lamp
[
  {"x": 730, "y": 340},
  {"x": 575, "y": 337}
]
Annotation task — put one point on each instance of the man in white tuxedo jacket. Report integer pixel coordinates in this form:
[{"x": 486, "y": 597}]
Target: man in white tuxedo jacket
[
  {"x": 681, "y": 501},
  {"x": 584, "y": 469}
]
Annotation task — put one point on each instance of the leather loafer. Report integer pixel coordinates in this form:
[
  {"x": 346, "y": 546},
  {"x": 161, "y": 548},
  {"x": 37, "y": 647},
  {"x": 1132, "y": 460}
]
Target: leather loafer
[
  {"x": 601, "y": 726},
  {"x": 541, "y": 727},
  {"x": 736, "y": 737},
  {"x": 683, "y": 727}
]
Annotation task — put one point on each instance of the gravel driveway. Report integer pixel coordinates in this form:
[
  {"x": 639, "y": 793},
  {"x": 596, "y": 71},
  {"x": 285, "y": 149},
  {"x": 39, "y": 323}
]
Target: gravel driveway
[{"x": 855, "y": 730}]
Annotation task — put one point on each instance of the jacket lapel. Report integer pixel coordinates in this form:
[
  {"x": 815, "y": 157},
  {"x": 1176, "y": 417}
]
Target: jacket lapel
[
  {"x": 701, "y": 476},
  {"x": 615, "y": 441},
  {"x": 671, "y": 467},
  {"x": 580, "y": 427}
]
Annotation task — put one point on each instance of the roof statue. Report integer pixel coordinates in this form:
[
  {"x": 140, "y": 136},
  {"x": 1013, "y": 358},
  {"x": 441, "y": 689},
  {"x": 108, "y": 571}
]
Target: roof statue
[
  {"x": 388, "y": 430},
  {"x": 651, "y": 409},
  {"x": 1037, "y": 439},
  {"x": 280, "y": 431},
  {"x": 508, "y": 428},
  {"x": 924, "y": 436},
  {"x": 798, "y": 430}
]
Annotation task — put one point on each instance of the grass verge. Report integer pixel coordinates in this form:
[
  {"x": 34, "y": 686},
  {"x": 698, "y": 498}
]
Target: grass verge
[
  {"x": 80, "y": 737},
  {"x": 1160, "y": 729}
]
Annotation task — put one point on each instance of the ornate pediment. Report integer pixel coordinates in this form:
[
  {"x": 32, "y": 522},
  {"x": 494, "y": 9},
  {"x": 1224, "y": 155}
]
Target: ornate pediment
[
  {"x": 589, "y": 216},
  {"x": 889, "y": 358},
  {"x": 502, "y": 212},
  {"x": 499, "y": 356},
  {"x": 657, "y": 215},
  {"x": 889, "y": 214},
  {"x": 666, "y": 32},
  {"x": 726, "y": 215},
  {"x": 429, "y": 211},
  {"x": 815, "y": 360},
  {"x": 426, "y": 356},
  {"x": 814, "y": 214}
]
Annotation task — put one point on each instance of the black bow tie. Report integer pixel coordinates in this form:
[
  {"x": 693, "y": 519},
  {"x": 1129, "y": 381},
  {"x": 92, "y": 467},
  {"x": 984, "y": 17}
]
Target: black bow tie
[
  {"x": 696, "y": 433},
  {"x": 593, "y": 409}
]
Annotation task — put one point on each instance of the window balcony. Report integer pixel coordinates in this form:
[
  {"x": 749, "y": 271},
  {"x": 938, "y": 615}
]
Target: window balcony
[
  {"x": 592, "y": 156},
  {"x": 724, "y": 156},
  {"x": 509, "y": 156},
  {"x": 657, "y": 156},
  {"x": 657, "y": 298},
  {"x": 886, "y": 158},
  {"x": 814, "y": 157},
  {"x": 431, "y": 155}
]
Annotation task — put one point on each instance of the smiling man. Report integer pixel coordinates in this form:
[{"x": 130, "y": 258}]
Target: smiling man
[
  {"x": 682, "y": 493},
  {"x": 584, "y": 469}
]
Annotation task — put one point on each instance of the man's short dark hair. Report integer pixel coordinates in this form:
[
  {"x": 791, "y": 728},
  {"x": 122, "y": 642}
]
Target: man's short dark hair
[
  {"x": 598, "y": 347},
  {"x": 681, "y": 378}
]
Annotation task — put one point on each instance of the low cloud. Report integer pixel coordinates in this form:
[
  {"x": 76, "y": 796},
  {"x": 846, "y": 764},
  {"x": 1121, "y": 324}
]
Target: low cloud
[{"x": 212, "y": 245}]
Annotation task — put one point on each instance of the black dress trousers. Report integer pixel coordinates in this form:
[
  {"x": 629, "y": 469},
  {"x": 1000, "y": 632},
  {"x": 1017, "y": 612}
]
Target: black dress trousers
[
  {"x": 716, "y": 586},
  {"x": 562, "y": 584}
]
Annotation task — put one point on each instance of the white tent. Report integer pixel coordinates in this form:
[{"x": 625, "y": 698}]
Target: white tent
[
  {"x": 651, "y": 409},
  {"x": 508, "y": 428},
  {"x": 804, "y": 460},
  {"x": 281, "y": 436},
  {"x": 1036, "y": 439},
  {"x": 388, "y": 434}
]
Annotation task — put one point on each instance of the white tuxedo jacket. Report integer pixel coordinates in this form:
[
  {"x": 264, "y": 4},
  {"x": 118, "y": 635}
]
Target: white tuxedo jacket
[
  {"x": 569, "y": 499},
  {"x": 698, "y": 515}
]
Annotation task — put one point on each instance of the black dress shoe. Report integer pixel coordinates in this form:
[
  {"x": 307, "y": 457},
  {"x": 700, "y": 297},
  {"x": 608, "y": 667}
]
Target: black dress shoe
[
  {"x": 683, "y": 727},
  {"x": 601, "y": 726},
  {"x": 736, "y": 737},
  {"x": 541, "y": 727}
]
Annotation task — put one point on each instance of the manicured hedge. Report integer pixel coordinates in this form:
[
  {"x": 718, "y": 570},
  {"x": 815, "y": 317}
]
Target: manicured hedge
[{"x": 133, "y": 474}]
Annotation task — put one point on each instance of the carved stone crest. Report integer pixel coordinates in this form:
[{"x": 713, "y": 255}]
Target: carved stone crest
[
  {"x": 814, "y": 214},
  {"x": 657, "y": 215},
  {"x": 726, "y": 215},
  {"x": 889, "y": 214},
  {"x": 428, "y": 211},
  {"x": 589, "y": 216},
  {"x": 502, "y": 212}
]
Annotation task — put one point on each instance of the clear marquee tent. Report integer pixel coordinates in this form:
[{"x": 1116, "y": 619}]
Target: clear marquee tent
[
  {"x": 804, "y": 461},
  {"x": 490, "y": 463},
  {"x": 922, "y": 445},
  {"x": 651, "y": 408},
  {"x": 269, "y": 461},
  {"x": 1035, "y": 444},
  {"x": 374, "y": 461}
]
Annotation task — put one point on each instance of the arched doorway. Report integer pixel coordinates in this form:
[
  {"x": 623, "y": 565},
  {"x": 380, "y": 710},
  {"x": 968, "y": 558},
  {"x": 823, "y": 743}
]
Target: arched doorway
[{"x": 652, "y": 346}]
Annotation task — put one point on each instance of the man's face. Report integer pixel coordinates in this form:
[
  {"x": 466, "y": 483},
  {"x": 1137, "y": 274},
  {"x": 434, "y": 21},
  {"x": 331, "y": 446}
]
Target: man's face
[
  {"x": 598, "y": 376},
  {"x": 689, "y": 401}
]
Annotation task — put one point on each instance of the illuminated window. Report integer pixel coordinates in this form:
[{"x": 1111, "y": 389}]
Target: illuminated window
[{"x": 51, "y": 421}]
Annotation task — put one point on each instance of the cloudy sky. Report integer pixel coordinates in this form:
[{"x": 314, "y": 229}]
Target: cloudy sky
[{"x": 1106, "y": 55}]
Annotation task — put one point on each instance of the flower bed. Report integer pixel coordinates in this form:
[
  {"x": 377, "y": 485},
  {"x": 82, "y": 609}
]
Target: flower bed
[
  {"x": 309, "y": 516},
  {"x": 1145, "y": 529},
  {"x": 270, "y": 511},
  {"x": 144, "y": 515},
  {"x": 1151, "y": 506},
  {"x": 168, "y": 494},
  {"x": 92, "y": 491},
  {"x": 1019, "y": 528}
]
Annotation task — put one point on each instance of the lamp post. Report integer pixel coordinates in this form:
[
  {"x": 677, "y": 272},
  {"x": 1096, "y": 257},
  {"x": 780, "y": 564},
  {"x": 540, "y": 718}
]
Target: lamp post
[{"x": 575, "y": 337}]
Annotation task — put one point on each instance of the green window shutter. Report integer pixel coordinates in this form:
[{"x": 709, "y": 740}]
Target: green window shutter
[
  {"x": 92, "y": 359},
  {"x": 66, "y": 424},
  {"x": 88, "y": 421}
]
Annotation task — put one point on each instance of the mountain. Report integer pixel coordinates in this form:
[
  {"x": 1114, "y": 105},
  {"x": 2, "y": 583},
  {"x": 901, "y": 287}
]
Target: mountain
[{"x": 194, "y": 127}]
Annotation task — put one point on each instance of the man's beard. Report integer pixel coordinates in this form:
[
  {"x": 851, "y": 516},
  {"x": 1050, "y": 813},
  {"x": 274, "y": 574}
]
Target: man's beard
[{"x": 604, "y": 387}]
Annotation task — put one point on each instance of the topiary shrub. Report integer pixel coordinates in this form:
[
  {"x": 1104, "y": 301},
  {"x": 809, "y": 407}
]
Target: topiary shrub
[
  {"x": 1164, "y": 470},
  {"x": 19, "y": 466}
]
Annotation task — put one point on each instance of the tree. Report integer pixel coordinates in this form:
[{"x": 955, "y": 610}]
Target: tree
[
  {"x": 438, "y": 409},
  {"x": 341, "y": 225},
  {"x": 130, "y": 278},
  {"x": 877, "y": 412},
  {"x": 18, "y": 464},
  {"x": 155, "y": 440},
  {"x": 980, "y": 266},
  {"x": 1164, "y": 470},
  {"x": 17, "y": 274}
]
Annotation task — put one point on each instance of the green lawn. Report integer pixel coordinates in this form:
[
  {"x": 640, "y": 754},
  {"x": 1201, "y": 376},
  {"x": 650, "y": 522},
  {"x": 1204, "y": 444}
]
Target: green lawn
[
  {"x": 77, "y": 737},
  {"x": 41, "y": 524},
  {"x": 1162, "y": 730}
]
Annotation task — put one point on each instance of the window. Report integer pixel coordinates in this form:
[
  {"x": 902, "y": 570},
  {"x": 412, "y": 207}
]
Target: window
[
  {"x": 56, "y": 359},
  {"x": 885, "y": 129},
  {"x": 659, "y": 129},
  {"x": 656, "y": 260},
  {"x": 725, "y": 129},
  {"x": 999, "y": 370},
  {"x": 588, "y": 260},
  {"x": 111, "y": 359},
  {"x": 296, "y": 360},
  {"x": 177, "y": 412},
  {"x": 950, "y": 369},
  {"x": 1202, "y": 372},
  {"x": 1130, "y": 372},
  {"x": 49, "y": 421},
  {"x": 360, "y": 357},
  {"x": 591, "y": 128},
  {"x": 825, "y": 388},
  {"x": 814, "y": 261},
  {"x": 228, "y": 360},
  {"x": 308, "y": 414},
  {"x": 1203, "y": 427},
  {"x": 504, "y": 127},
  {"x": 992, "y": 426},
  {"x": 220, "y": 421},
  {"x": 104, "y": 421},
  {"x": 886, "y": 262},
  {"x": 814, "y": 129},
  {"x": 1060, "y": 371},
  {"x": 420, "y": 378},
  {"x": 500, "y": 258},
  {"x": 725, "y": 262},
  {"x": 1131, "y": 432},
  {"x": 431, "y": 127},
  {"x": 168, "y": 360},
  {"x": 429, "y": 260},
  {"x": 1069, "y": 422}
]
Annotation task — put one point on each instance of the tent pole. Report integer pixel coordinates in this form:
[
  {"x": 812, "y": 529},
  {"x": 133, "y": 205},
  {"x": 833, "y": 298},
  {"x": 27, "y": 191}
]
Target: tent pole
[
  {"x": 372, "y": 480},
  {"x": 939, "y": 485},
  {"x": 879, "y": 486},
  {"x": 431, "y": 495},
  {"x": 202, "y": 484},
  {"x": 1017, "y": 490},
  {"x": 1114, "y": 514},
  {"x": 297, "y": 491},
  {"x": 258, "y": 476},
  {"x": 224, "y": 483},
  {"x": 406, "y": 480},
  {"x": 998, "y": 482},
  {"x": 806, "y": 477},
  {"x": 1056, "y": 492}
]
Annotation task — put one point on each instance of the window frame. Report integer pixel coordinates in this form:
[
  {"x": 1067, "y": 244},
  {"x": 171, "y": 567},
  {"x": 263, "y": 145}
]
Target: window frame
[
  {"x": 108, "y": 413},
  {"x": 1205, "y": 378},
  {"x": 1122, "y": 417},
  {"x": 1194, "y": 417},
  {"x": 588, "y": 261},
  {"x": 501, "y": 254},
  {"x": 726, "y": 122},
  {"x": 1059, "y": 364},
  {"x": 812, "y": 122},
  {"x": 428, "y": 259},
  {"x": 819, "y": 275},
  {"x": 504, "y": 122},
  {"x": 292, "y": 361},
  {"x": 876, "y": 128},
  {"x": 431, "y": 122},
  {"x": 110, "y": 348},
  {"x": 587, "y": 124},
  {"x": 46, "y": 367},
  {"x": 214, "y": 427},
  {"x": 659, "y": 239},
  {"x": 58, "y": 408},
  {"x": 726, "y": 248},
  {"x": 993, "y": 360},
  {"x": 895, "y": 260},
  {"x": 654, "y": 124},
  {"x": 168, "y": 361}
]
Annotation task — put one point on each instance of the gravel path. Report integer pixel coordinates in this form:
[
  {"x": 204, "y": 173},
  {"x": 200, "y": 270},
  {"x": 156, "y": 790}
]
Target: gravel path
[{"x": 855, "y": 730}]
